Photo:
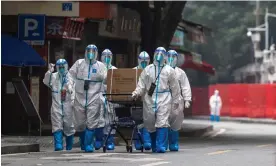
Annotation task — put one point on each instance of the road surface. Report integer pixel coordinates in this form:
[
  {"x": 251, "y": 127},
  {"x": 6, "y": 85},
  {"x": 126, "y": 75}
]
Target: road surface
[{"x": 230, "y": 144}]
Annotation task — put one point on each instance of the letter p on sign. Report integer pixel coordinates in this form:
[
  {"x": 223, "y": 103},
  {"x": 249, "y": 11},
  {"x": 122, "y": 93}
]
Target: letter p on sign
[{"x": 30, "y": 25}]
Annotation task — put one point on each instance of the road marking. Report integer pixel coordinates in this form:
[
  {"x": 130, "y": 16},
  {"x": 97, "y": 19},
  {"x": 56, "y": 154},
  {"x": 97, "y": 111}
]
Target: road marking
[
  {"x": 101, "y": 156},
  {"x": 261, "y": 146},
  {"x": 146, "y": 159},
  {"x": 221, "y": 131},
  {"x": 14, "y": 154},
  {"x": 219, "y": 152},
  {"x": 157, "y": 163}
]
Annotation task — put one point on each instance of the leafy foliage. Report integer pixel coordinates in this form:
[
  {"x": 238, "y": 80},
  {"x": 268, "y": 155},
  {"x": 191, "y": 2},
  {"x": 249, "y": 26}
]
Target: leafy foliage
[{"x": 229, "y": 48}]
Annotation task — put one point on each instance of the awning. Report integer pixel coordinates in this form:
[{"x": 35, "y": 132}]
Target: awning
[
  {"x": 189, "y": 59},
  {"x": 195, "y": 32},
  {"x": 15, "y": 52}
]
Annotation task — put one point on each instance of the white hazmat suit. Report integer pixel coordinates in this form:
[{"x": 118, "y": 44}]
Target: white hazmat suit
[
  {"x": 106, "y": 108},
  {"x": 143, "y": 62},
  {"x": 61, "y": 85},
  {"x": 89, "y": 75},
  {"x": 215, "y": 104},
  {"x": 177, "y": 115},
  {"x": 154, "y": 84}
]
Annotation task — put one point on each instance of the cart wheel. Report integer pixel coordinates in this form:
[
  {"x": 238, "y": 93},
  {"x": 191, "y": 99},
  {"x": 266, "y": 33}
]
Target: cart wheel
[
  {"x": 127, "y": 148},
  {"x": 130, "y": 149},
  {"x": 104, "y": 149},
  {"x": 142, "y": 149}
]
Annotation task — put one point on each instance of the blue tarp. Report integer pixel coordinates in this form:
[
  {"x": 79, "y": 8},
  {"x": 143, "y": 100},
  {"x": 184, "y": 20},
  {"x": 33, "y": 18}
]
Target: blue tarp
[{"x": 15, "y": 52}]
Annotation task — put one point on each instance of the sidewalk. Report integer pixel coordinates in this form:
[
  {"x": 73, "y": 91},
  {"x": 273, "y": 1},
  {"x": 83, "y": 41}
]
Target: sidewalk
[
  {"x": 238, "y": 119},
  {"x": 23, "y": 144}
]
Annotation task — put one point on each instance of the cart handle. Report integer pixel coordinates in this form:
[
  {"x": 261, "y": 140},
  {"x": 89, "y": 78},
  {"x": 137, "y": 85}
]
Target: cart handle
[{"x": 117, "y": 94}]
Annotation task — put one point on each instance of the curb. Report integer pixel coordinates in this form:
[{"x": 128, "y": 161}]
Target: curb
[
  {"x": 228, "y": 119},
  {"x": 17, "y": 148},
  {"x": 197, "y": 132}
]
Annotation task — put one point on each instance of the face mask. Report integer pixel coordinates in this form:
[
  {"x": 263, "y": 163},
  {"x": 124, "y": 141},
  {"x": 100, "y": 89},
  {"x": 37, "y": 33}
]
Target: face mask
[
  {"x": 90, "y": 55},
  {"x": 144, "y": 64},
  {"x": 170, "y": 60},
  {"x": 107, "y": 60},
  {"x": 62, "y": 71},
  {"x": 159, "y": 57}
]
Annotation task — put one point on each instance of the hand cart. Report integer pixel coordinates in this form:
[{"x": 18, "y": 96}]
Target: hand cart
[{"x": 127, "y": 116}]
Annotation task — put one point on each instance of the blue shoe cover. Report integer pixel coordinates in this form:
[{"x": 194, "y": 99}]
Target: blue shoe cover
[
  {"x": 81, "y": 139},
  {"x": 146, "y": 138},
  {"x": 89, "y": 140},
  {"x": 137, "y": 142},
  {"x": 212, "y": 117},
  {"x": 69, "y": 142},
  {"x": 58, "y": 137},
  {"x": 110, "y": 143},
  {"x": 99, "y": 138},
  {"x": 173, "y": 140},
  {"x": 161, "y": 139},
  {"x": 153, "y": 142},
  {"x": 217, "y": 118}
]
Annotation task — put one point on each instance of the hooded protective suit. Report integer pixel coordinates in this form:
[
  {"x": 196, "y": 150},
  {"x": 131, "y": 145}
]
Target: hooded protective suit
[
  {"x": 61, "y": 84},
  {"x": 177, "y": 115},
  {"x": 107, "y": 114},
  {"x": 215, "y": 104},
  {"x": 143, "y": 62},
  {"x": 89, "y": 75},
  {"x": 154, "y": 84}
]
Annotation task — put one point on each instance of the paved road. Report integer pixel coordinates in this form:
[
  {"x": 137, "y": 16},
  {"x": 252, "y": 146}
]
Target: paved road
[{"x": 230, "y": 144}]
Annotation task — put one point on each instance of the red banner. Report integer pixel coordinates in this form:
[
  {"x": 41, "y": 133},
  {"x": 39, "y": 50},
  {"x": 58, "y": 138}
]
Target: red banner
[{"x": 73, "y": 28}]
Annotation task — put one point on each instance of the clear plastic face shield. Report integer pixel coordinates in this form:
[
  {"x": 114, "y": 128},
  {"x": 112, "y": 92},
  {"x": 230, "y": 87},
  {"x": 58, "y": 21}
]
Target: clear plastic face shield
[
  {"x": 62, "y": 66},
  {"x": 172, "y": 58},
  {"x": 91, "y": 52},
  {"x": 143, "y": 60},
  {"x": 159, "y": 54},
  {"x": 106, "y": 57}
]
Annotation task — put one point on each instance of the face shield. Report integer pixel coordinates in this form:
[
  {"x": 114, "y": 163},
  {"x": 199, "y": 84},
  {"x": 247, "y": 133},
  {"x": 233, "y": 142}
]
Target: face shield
[
  {"x": 172, "y": 58},
  {"x": 62, "y": 66},
  {"x": 143, "y": 59},
  {"x": 159, "y": 54},
  {"x": 106, "y": 57},
  {"x": 91, "y": 52}
]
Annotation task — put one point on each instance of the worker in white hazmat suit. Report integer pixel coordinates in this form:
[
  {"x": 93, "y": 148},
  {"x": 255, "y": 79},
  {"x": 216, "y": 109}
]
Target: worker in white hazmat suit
[
  {"x": 154, "y": 84},
  {"x": 177, "y": 116},
  {"x": 61, "y": 84},
  {"x": 143, "y": 62},
  {"x": 89, "y": 75},
  {"x": 215, "y": 104},
  {"x": 107, "y": 111}
]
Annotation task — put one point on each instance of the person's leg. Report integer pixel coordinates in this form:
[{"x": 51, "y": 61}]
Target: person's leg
[
  {"x": 153, "y": 141},
  {"x": 146, "y": 138},
  {"x": 162, "y": 126},
  {"x": 57, "y": 129},
  {"x": 58, "y": 137},
  {"x": 69, "y": 142},
  {"x": 80, "y": 122},
  {"x": 137, "y": 143},
  {"x": 99, "y": 138},
  {"x": 173, "y": 140},
  {"x": 93, "y": 118},
  {"x": 161, "y": 139}
]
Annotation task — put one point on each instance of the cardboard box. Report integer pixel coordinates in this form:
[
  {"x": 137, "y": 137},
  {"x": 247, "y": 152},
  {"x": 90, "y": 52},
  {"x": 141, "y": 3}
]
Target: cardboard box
[{"x": 122, "y": 81}]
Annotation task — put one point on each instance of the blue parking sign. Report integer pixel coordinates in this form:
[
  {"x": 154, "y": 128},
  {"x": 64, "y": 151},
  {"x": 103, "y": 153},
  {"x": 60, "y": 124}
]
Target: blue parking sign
[{"x": 31, "y": 28}]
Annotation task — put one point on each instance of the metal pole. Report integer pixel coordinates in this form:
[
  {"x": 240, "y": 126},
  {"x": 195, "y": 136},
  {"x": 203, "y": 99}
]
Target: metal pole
[
  {"x": 49, "y": 52},
  {"x": 267, "y": 30}
]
